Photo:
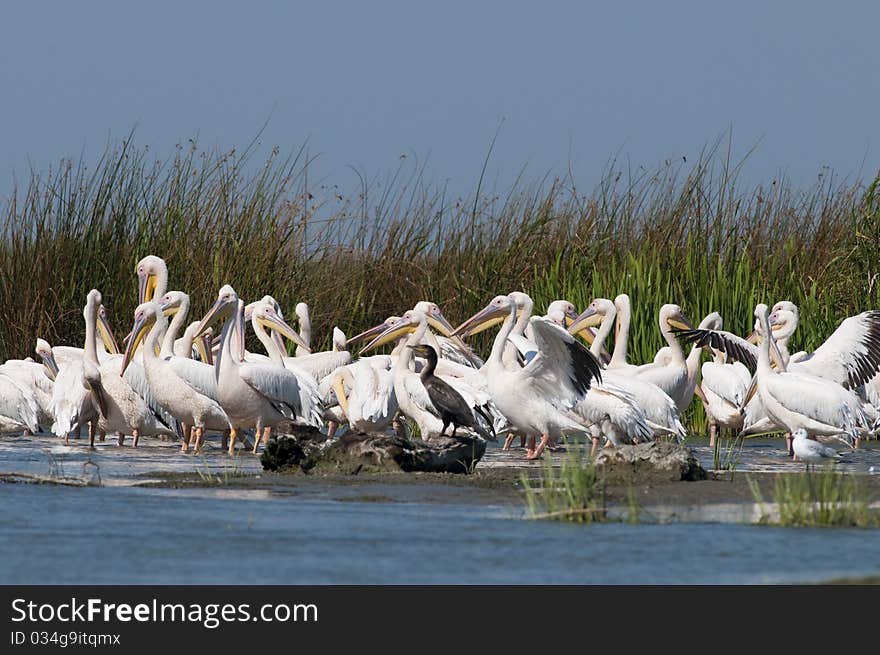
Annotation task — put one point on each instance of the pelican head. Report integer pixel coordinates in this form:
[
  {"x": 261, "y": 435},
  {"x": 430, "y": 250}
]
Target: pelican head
[
  {"x": 565, "y": 308},
  {"x": 151, "y": 270},
  {"x": 760, "y": 311},
  {"x": 173, "y": 302},
  {"x": 264, "y": 314},
  {"x": 495, "y": 312},
  {"x": 407, "y": 324},
  {"x": 224, "y": 307},
  {"x": 783, "y": 319},
  {"x": 673, "y": 316},
  {"x": 592, "y": 316},
  {"x": 302, "y": 312},
  {"x": 373, "y": 331},
  {"x": 434, "y": 316},
  {"x": 93, "y": 304},
  {"x": 145, "y": 316},
  {"x": 44, "y": 351}
]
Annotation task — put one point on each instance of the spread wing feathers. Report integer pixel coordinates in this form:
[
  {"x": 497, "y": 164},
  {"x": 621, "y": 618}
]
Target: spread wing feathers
[
  {"x": 820, "y": 400},
  {"x": 607, "y": 402},
  {"x": 851, "y": 355},
  {"x": 872, "y": 391},
  {"x": 18, "y": 403},
  {"x": 136, "y": 377},
  {"x": 198, "y": 375},
  {"x": 292, "y": 395},
  {"x": 736, "y": 348},
  {"x": 456, "y": 350},
  {"x": 320, "y": 365},
  {"x": 563, "y": 367},
  {"x": 729, "y": 382}
]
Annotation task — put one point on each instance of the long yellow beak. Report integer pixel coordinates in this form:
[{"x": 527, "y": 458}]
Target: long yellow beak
[
  {"x": 482, "y": 320},
  {"x": 221, "y": 310},
  {"x": 138, "y": 332},
  {"x": 339, "y": 390},
  {"x": 440, "y": 324},
  {"x": 750, "y": 392},
  {"x": 146, "y": 288},
  {"x": 279, "y": 325},
  {"x": 50, "y": 364},
  {"x": 587, "y": 318},
  {"x": 373, "y": 331},
  {"x": 106, "y": 333},
  {"x": 405, "y": 326}
]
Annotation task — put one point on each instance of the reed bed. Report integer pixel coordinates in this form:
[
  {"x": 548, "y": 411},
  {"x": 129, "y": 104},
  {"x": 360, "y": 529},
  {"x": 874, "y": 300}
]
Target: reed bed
[{"x": 685, "y": 232}]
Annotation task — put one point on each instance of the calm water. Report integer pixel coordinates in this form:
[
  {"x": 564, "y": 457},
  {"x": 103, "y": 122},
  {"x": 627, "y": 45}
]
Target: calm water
[
  {"x": 432, "y": 534},
  {"x": 135, "y": 535}
]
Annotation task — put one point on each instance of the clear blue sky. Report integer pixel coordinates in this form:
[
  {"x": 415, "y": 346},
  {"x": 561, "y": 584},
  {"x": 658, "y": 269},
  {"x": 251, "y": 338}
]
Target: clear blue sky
[{"x": 364, "y": 82}]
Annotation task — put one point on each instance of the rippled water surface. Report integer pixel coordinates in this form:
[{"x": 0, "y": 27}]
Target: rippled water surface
[{"x": 121, "y": 533}]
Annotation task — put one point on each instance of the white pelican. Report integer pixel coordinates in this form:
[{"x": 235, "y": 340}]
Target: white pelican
[
  {"x": 608, "y": 409},
  {"x": 365, "y": 394},
  {"x": 253, "y": 396},
  {"x": 660, "y": 410},
  {"x": 801, "y": 401},
  {"x": 412, "y": 397},
  {"x": 178, "y": 384},
  {"x": 121, "y": 409},
  {"x": 18, "y": 407},
  {"x": 35, "y": 378},
  {"x": 265, "y": 317},
  {"x": 538, "y": 398},
  {"x": 72, "y": 405},
  {"x": 317, "y": 365}
]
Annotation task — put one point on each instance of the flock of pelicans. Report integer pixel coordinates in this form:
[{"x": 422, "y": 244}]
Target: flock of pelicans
[{"x": 540, "y": 382}]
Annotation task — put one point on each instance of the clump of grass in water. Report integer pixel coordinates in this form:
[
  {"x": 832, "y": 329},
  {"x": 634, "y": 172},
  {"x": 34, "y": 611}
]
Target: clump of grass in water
[
  {"x": 726, "y": 457},
  {"x": 819, "y": 498},
  {"x": 573, "y": 492}
]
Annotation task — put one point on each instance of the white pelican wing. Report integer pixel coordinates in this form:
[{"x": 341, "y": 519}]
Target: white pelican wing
[
  {"x": 819, "y": 399},
  {"x": 198, "y": 375},
  {"x": 563, "y": 367},
  {"x": 284, "y": 390},
  {"x": 851, "y": 355},
  {"x": 727, "y": 381}
]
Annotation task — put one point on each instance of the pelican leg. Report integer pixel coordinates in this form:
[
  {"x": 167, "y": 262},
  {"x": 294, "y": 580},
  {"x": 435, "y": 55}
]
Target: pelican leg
[
  {"x": 137, "y": 435},
  {"x": 187, "y": 437},
  {"x": 789, "y": 441},
  {"x": 233, "y": 435},
  {"x": 508, "y": 441},
  {"x": 200, "y": 439},
  {"x": 78, "y": 432},
  {"x": 267, "y": 434},
  {"x": 332, "y": 425},
  {"x": 224, "y": 443},
  {"x": 102, "y": 434},
  {"x": 858, "y": 443},
  {"x": 530, "y": 449},
  {"x": 120, "y": 439},
  {"x": 713, "y": 432},
  {"x": 594, "y": 446},
  {"x": 91, "y": 435},
  {"x": 537, "y": 452}
]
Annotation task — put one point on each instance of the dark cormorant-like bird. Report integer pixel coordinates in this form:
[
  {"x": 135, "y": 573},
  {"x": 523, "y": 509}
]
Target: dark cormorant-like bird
[{"x": 451, "y": 407}]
